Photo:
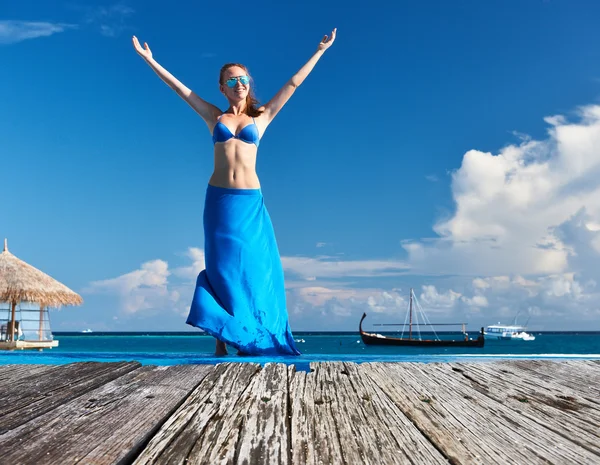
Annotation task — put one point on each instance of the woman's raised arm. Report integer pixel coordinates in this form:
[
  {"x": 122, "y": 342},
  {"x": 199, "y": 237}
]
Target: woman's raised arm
[
  {"x": 207, "y": 111},
  {"x": 280, "y": 99}
]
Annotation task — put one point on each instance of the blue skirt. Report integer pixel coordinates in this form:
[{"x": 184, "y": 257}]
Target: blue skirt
[{"x": 240, "y": 296}]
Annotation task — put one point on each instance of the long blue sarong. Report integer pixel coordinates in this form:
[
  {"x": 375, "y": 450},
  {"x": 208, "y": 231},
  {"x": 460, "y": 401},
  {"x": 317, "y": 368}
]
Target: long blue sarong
[{"x": 240, "y": 296}]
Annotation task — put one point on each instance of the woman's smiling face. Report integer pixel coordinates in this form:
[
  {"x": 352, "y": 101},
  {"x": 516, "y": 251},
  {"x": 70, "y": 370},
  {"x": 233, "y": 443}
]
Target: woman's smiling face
[{"x": 239, "y": 80}]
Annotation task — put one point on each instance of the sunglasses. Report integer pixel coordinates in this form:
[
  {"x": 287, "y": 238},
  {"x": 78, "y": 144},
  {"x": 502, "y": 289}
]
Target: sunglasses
[{"x": 231, "y": 82}]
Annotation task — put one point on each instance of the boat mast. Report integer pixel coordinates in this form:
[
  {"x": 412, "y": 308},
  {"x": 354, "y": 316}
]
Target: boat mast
[{"x": 410, "y": 320}]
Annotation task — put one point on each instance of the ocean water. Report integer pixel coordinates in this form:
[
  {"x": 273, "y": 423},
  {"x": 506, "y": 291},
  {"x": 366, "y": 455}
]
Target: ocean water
[{"x": 185, "y": 348}]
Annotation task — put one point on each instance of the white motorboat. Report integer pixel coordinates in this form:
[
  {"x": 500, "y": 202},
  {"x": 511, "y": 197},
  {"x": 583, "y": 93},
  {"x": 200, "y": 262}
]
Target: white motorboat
[{"x": 508, "y": 332}]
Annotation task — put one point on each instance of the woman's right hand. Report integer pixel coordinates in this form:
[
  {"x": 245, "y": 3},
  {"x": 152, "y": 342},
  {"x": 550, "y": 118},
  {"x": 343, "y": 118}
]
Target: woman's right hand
[{"x": 145, "y": 52}]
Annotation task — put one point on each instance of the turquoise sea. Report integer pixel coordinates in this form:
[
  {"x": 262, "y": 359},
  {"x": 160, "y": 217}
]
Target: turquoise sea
[{"x": 153, "y": 348}]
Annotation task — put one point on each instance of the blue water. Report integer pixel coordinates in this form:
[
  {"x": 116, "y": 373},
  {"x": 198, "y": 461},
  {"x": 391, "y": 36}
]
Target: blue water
[{"x": 185, "y": 348}]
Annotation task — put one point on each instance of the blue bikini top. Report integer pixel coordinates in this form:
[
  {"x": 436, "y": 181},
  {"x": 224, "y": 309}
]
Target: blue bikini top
[{"x": 248, "y": 134}]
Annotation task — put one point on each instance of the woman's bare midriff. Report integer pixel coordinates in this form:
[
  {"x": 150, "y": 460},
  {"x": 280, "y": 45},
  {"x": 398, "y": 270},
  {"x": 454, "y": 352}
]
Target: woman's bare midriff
[{"x": 235, "y": 165}]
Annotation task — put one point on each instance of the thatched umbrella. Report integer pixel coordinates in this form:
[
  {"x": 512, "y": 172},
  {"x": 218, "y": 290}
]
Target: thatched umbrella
[{"x": 21, "y": 282}]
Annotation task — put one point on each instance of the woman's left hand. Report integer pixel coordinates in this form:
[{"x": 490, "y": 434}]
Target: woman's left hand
[{"x": 327, "y": 41}]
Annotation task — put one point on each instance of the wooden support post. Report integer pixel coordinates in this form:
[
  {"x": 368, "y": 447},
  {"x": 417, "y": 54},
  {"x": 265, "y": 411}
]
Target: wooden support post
[
  {"x": 14, "y": 323},
  {"x": 41, "y": 321}
]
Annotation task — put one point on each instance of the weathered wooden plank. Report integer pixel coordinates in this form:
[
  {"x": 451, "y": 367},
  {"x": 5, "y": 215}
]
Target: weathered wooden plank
[
  {"x": 335, "y": 412},
  {"x": 314, "y": 435},
  {"x": 387, "y": 434},
  {"x": 449, "y": 434},
  {"x": 303, "y": 420},
  {"x": 9, "y": 374},
  {"x": 35, "y": 395},
  {"x": 340, "y": 417},
  {"x": 258, "y": 429},
  {"x": 106, "y": 425},
  {"x": 545, "y": 391},
  {"x": 467, "y": 425},
  {"x": 254, "y": 428},
  {"x": 562, "y": 373},
  {"x": 61, "y": 376},
  {"x": 587, "y": 372},
  {"x": 562, "y": 411},
  {"x": 193, "y": 433},
  {"x": 561, "y": 446},
  {"x": 593, "y": 364},
  {"x": 369, "y": 428}
]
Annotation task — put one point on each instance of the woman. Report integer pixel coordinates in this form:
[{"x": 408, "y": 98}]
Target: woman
[{"x": 240, "y": 296}]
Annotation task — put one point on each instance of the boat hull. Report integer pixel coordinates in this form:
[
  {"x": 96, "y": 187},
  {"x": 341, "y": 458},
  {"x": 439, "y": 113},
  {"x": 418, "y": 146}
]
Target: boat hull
[
  {"x": 372, "y": 339},
  {"x": 510, "y": 337}
]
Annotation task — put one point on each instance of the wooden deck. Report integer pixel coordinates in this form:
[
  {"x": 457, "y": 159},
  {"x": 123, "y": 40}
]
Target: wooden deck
[{"x": 523, "y": 412}]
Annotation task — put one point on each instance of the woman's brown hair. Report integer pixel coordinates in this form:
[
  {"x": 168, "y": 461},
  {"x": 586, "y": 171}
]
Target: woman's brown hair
[{"x": 252, "y": 103}]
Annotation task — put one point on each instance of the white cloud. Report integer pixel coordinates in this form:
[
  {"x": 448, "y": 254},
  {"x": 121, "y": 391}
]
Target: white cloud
[
  {"x": 558, "y": 301},
  {"x": 338, "y": 289},
  {"x": 511, "y": 206},
  {"x": 562, "y": 285},
  {"x": 377, "y": 300},
  {"x": 327, "y": 267},
  {"x": 335, "y": 308},
  {"x": 433, "y": 299},
  {"x": 317, "y": 295},
  {"x": 476, "y": 301},
  {"x": 143, "y": 289},
  {"x": 12, "y": 31},
  {"x": 479, "y": 283},
  {"x": 190, "y": 272}
]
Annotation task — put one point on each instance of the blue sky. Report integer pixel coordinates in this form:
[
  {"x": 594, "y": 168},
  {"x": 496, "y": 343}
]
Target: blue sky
[{"x": 449, "y": 146}]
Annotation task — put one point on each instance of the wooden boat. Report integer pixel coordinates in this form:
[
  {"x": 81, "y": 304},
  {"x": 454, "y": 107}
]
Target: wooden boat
[{"x": 381, "y": 340}]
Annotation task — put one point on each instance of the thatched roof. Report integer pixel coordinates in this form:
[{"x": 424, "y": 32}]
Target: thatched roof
[{"x": 20, "y": 282}]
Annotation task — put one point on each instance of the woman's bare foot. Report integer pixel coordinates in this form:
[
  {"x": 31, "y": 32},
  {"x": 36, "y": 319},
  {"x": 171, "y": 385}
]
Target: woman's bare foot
[{"x": 221, "y": 348}]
